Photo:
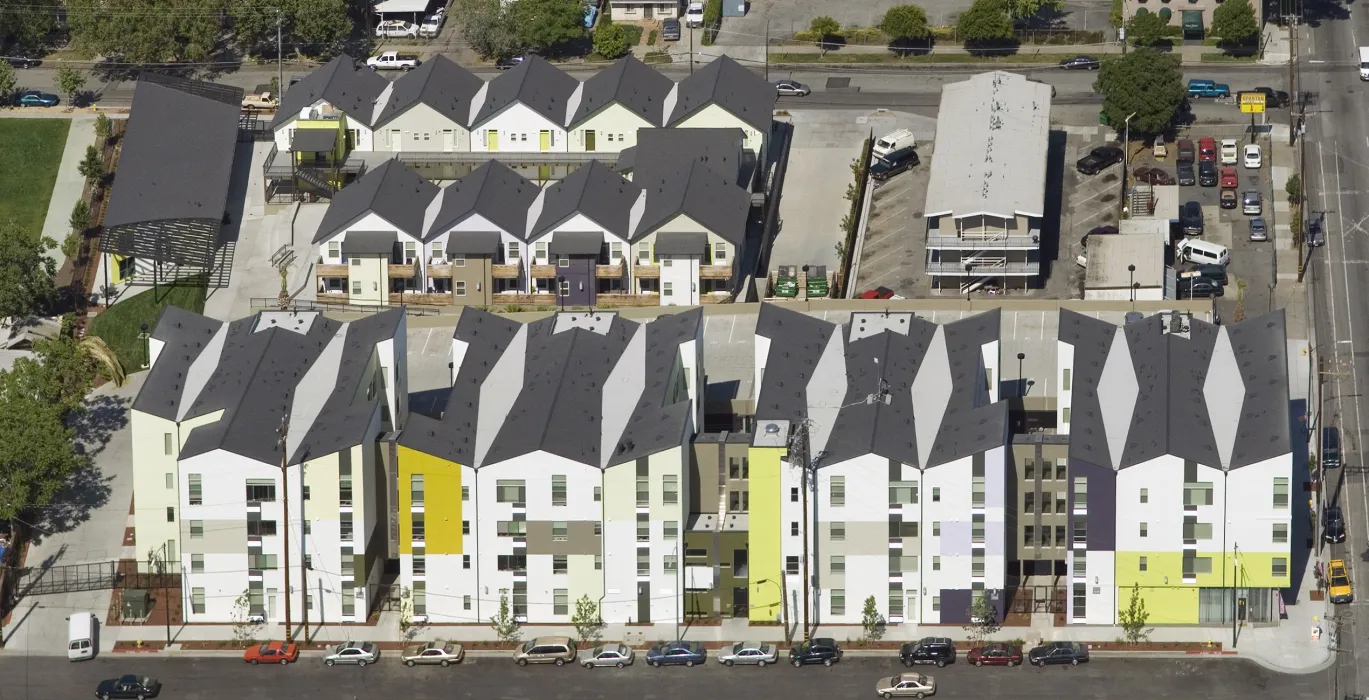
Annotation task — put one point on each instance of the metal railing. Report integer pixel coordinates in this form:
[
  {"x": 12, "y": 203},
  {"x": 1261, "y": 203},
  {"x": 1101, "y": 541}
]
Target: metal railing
[
  {"x": 270, "y": 303},
  {"x": 958, "y": 269},
  {"x": 1030, "y": 242}
]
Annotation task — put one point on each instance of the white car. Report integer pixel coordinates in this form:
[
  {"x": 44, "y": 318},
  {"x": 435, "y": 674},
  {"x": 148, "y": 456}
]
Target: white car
[
  {"x": 754, "y": 653},
  {"x": 906, "y": 685},
  {"x": 1252, "y": 156},
  {"x": 616, "y": 655},
  {"x": 397, "y": 29},
  {"x": 431, "y": 26},
  {"x": 694, "y": 15},
  {"x": 1229, "y": 151},
  {"x": 359, "y": 653}
]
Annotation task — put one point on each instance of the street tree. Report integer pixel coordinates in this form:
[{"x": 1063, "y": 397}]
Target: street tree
[
  {"x": 1115, "y": 14},
  {"x": 1026, "y": 9},
  {"x": 71, "y": 246},
  {"x": 103, "y": 128},
  {"x": 70, "y": 81},
  {"x": 92, "y": 166},
  {"x": 871, "y": 622},
  {"x": 504, "y": 624},
  {"x": 321, "y": 26},
  {"x": 984, "y": 620},
  {"x": 1145, "y": 82},
  {"x": 1135, "y": 618},
  {"x": 7, "y": 81},
  {"x": 589, "y": 625},
  {"x": 985, "y": 24},
  {"x": 148, "y": 31},
  {"x": 1146, "y": 30},
  {"x": 62, "y": 370},
  {"x": 37, "y": 448},
  {"x": 903, "y": 22},
  {"x": 26, "y": 272},
  {"x": 1293, "y": 186},
  {"x": 1234, "y": 22},
  {"x": 610, "y": 40},
  {"x": 547, "y": 25},
  {"x": 26, "y": 30},
  {"x": 487, "y": 26},
  {"x": 827, "y": 30}
]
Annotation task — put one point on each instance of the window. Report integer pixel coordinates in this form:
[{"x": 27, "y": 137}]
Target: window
[
  {"x": 465, "y": 527},
  {"x": 1060, "y": 503},
  {"x": 598, "y": 494},
  {"x": 670, "y": 530},
  {"x": 615, "y": 251},
  {"x": 167, "y": 443},
  {"x": 562, "y": 261},
  {"x": 1060, "y": 470},
  {"x": 261, "y": 490},
  {"x": 838, "y": 531},
  {"x": 643, "y": 527},
  {"x": 977, "y": 484},
  {"x": 1194, "y": 565},
  {"x": 1279, "y": 569},
  {"x": 936, "y": 528},
  {"x": 643, "y": 562},
  {"x": 667, "y": 261},
  {"x": 196, "y": 563},
  {"x": 1081, "y": 565},
  {"x": 196, "y": 529},
  {"x": 794, "y": 528},
  {"x": 465, "y": 602},
  {"x": 1045, "y": 534},
  {"x": 459, "y": 261},
  {"x": 345, "y": 486},
  {"x": 837, "y": 492},
  {"x": 598, "y": 562},
  {"x": 416, "y": 489},
  {"x": 261, "y": 561},
  {"x": 719, "y": 253},
  {"x": 643, "y": 489},
  {"x": 837, "y": 599},
  {"x": 838, "y": 564},
  {"x": 1081, "y": 534},
  {"x": 1197, "y": 494},
  {"x": 197, "y": 601},
  {"x": 738, "y": 501},
  {"x": 1081, "y": 599},
  {"x": 1029, "y": 535},
  {"x": 511, "y": 491},
  {"x": 420, "y": 528},
  {"x": 513, "y": 251},
  {"x": 1029, "y": 502},
  {"x": 1045, "y": 503},
  {"x": 936, "y": 603},
  {"x": 737, "y": 468},
  {"x": 936, "y": 563},
  {"x": 670, "y": 489},
  {"x": 895, "y": 600},
  {"x": 1145, "y": 528},
  {"x": 936, "y": 494},
  {"x": 1081, "y": 493},
  {"x": 513, "y": 562},
  {"x": 420, "y": 565},
  {"x": 558, "y": 531},
  {"x": 511, "y": 528},
  {"x": 794, "y": 495},
  {"x": 1141, "y": 564},
  {"x": 558, "y": 564},
  {"x": 348, "y": 563},
  {"x": 1194, "y": 530},
  {"x": 334, "y": 250},
  {"x": 1065, "y": 415},
  {"x": 465, "y": 493},
  {"x": 558, "y": 490},
  {"x": 667, "y": 288},
  {"x": 643, "y": 253},
  {"x": 1060, "y": 540},
  {"x": 669, "y": 562},
  {"x": 170, "y": 514},
  {"x": 1281, "y": 532},
  {"x": 1065, "y": 379},
  {"x": 598, "y": 528},
  {"x": 196, "y": 490},
  {"x": 902, "y": 493},
  {"x": 1280, "y": 492},
  {"x": 170, "y": 481},
  {"x": 465, "y": 561},
  {"x": 356, "y": 286},
  {"x": 459, "y": 288},
  {"x": 977, "y": 528},
  {"x": 906, "y": 564},
  {"x": 560, "y": 604},
  {"x": 1029, "y": 470},
  {"x": 419, "y": 598},
  {"x": 977, "y": 565},
  {"x": 791, "y": 565}
]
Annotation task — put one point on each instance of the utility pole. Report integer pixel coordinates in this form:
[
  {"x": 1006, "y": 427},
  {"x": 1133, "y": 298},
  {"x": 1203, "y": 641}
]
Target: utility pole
[
  {"x": 280, "y": 66},
  {"x": 691, "y": 51},
  {"x": 801, "y": 440},
  {"x": 767, "y": 50},
  {"x": 284, "y": 431}
]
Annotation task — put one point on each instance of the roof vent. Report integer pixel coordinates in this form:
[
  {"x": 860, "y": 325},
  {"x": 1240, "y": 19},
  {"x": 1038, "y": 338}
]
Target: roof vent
[{"x": 772, "y": 429}]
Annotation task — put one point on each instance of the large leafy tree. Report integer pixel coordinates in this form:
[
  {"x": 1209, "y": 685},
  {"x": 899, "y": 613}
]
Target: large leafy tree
[
  {"x": 37, "y": 450},
  {"x": 1145, "y": 29},
  {"x": 905, "y": 22},
  {"x": 610, "y": 40},
  {"x": 1234, "y": 22},
  {"x": 312, "y": 27},
  {"x": 488, "y": 26},
  {"x": 24, "y": 26},
  {"x": 986, "y": 22},
  {"x": 1145, "y": 82},
  {"x": 1025, "y": 9},
  {"x": 26, "y": 272},
  {"x": 148, "y": 31},
  {"x": 544, "y": 25},
  {"x": 7, "y": 83}
]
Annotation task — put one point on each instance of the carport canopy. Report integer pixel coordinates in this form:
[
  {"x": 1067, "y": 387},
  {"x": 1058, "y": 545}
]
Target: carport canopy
[
  {"x": 314, "y": 140},
  {"x": 401, "y": 6}
]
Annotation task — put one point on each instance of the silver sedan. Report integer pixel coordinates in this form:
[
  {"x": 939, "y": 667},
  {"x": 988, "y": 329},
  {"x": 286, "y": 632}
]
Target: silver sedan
[
  {"x": 754, "y": 653},
  {"x": 617, "y": 655}
]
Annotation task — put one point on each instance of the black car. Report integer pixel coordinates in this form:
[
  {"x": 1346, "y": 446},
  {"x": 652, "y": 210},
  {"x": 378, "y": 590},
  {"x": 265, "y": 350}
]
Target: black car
[
  {"x": 930, "y": 650},
  {"x": 1080, "y": 63},
  {"x": 1207, "y": 174},
  {"x": 507, "y": 62},
  {"x": 1333, "y": 525},
  {"x": 1216, "y": 273},
  {"x": 129, "y": 686},
  {"x": 1273, "y": 98},
  {"x": 1186, "y": 175},
  {"x": 1191, "y": 215},
  {"x": 670, "y": 29},
  {"x": 1056, "y": 653},
  {"x": 894, "y": 163},
  {"x": 1316, "y": 233},
  {"x": 1330, "y": 447},
  {"x": 24, "y": 62},
  {"x": 822, "y": 650},
  {"x": 1199, "y": 288},
  {"x": 1098, "y": 160}
]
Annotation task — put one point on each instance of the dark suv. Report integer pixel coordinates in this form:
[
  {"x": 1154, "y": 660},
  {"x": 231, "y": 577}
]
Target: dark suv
[
  {"x": 882, "y": 169},
  {"x": 822, "y": 650},
  {"x": 1054, "y": 653},
  {"x": 1333, "y": 525},
  {"x": 930, "y": 650},
  {"x": 1330, "y": 447}
]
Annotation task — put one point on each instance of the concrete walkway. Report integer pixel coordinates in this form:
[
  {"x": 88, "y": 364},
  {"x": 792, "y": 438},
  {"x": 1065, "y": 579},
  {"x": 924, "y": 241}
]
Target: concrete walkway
[
  {"x": 755, "y": 55},
  {"x": 69, "y": 185}
]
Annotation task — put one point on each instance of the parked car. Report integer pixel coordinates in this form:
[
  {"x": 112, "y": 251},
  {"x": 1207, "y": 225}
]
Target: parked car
[
  {"x": 271, "y": 653},
  {"x": 792, "y": 88},
  {"x": 24, "y": 62},
  {"x": 1316, "y": 233},
  {"x": 393, "y": 60},
  {"x": 1054, "y": 653},
  {"x": 1186, "y": 151},
  {"x": 1080, "y": 63},
  {"x": 995, "y": 655},
  {"x": 397, "y": 29},
  {"x": 879, "y": 293},
  {"x": 546, "y": 650},
  {"x": 261, "y": 100},
  {"x": 35, "y": 98},
  {"x": 1259, "y": 233},
  {"x": 821, "y": 650},
  {"x": 129, "y": 686},
  {"x": 1273, "y": 99},
  {"x": 1098, "y": 160},
  {"x": 894, "y": 163},
  {"x": 1159, "y": 148},
  {"x": 1252, "y": 204},
  {"x": 929, "y": 650},
  {"x": 507, "y": 62},
  {"x": 1152, "y": 176},
  {"x": 431, "y": 26},
  {"x": 694, "y": 15},
  {"x": 1207, "y": 173},
  {"x": 1330, "y": 447},
  {"x": 677, "y": 653},
  {"x": 1191, "y": 215},
  {"x": 1216, "y": 273},
  {"x": 670, "y": 29},
  {"x": 1207, "y": 88},
  {"x": 438, "y": 653},
  {"x": 754, "y": 653},
  {"x": 616, "y": 655},
  {"x": 1207, "y": 148},
  {"x": 359, "y": 653},
  {"x": 1333, "y": 525},
  {"x": 1230, "y": 151},
  {"x": 1199, "y": 288},
  {"x": 1339, "y": 589},
  {"x": 1230, "y": 181},
  {"x": 1251, "y": 156},
  {"x": 906, "y": 685},
  {"x": 1227, "y": 199},
  {"x": 591, "y": 14}
]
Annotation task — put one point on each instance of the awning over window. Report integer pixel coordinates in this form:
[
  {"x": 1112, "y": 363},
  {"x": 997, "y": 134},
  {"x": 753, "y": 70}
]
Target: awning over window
[{"x": 1193, "y": 20}]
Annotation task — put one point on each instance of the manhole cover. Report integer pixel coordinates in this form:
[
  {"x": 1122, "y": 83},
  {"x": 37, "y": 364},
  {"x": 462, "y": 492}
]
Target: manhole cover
[{"x": 838, "y": 83}]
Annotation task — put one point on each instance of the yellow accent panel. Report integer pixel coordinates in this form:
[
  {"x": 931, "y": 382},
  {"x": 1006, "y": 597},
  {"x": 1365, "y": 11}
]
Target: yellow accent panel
[
  {"x": 441, "y": 502},
  {"x": 1256, "y": 570},
  {"x": 112, "y": 265},
  {"x": 1174, "y": 605},
  {"x": 767, "y": 555}
]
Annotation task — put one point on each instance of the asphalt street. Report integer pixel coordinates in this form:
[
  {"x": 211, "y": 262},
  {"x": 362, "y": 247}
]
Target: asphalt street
[{"x": 486, "y": 678}]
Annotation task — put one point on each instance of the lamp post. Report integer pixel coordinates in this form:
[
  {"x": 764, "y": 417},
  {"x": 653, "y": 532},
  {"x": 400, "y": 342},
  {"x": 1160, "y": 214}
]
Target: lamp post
[
  {"x": 1022, "y": 381},
  {"x": 1132, "y": 269},
  {"x": 1126, "y": 146},
  {"x": 784, "y": 607}
]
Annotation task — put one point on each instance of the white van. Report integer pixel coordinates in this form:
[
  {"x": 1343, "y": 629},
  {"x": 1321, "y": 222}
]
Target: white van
[
  {"x": 81, "y": 641},
  {"x": 1196, "y": 250},
  {"x": 893, "y": 141},
  {"x": 1364, "y": 63}
]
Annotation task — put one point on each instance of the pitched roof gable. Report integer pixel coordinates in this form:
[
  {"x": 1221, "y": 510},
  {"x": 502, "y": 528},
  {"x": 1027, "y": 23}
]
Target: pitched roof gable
[
  {"x": 439, "y": 83},
  {"x": 392, "y": 191},
  {"x": 338, "y": 83},
  {"x": 534, "y": 83},
  {"x": 728, "y": 84},
  {"x": 639, "y": 88}
]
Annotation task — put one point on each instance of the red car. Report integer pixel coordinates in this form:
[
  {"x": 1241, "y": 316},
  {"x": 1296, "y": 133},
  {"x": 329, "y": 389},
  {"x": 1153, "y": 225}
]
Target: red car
[
  {"x": 996, "y": 655},
  {"x": 879, "y": 293},
  {"x": 1229, "y": 179},
  {"x": 271, "y": 653}
]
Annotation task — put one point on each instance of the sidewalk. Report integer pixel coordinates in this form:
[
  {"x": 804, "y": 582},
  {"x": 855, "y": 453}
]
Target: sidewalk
[
  {"x": 69, "y": 184},
  {"x": 756, "y": 54}
]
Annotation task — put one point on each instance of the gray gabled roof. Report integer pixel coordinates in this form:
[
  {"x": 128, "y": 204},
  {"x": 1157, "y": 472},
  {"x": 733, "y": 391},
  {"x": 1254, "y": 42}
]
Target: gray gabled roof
[
  {"x": 439, "y": 83},
  {"x": 665, "y": 151},
  {"x": 699, "y": 192},
  {"x": 493, "y": 191},
  {"x": 338, "y": 83},
  {"x": 538, "y": 85},
  {"x": 392, "y": 191},
  {"x": 186, "y": 335},
  {"x": 595, "y": 191},
  {"x": 639, "y": 88},
  {"x": 728, "y": 84}
]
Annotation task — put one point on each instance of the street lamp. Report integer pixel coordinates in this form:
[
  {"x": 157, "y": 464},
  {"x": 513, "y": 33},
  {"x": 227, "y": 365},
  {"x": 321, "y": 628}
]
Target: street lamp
[
  {"x": 1132, "y": 269},
  {"x": 1126, "y": 146},
  {"x": 1022, "y": 381},
  {"x": 784, "y": 607}
]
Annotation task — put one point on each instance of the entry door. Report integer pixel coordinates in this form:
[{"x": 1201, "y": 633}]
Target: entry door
[
  {"x": 589, "y": 140},
  {"x": 741, "y": 602},
  {"x": 270, "y": 603},
  {"x": 492, "y": 140},
  {"x": 646, "y": 12},
  {"x": 643, "y": 601},
  {"x": 448, "y": 141},
  {"x": 545, "y": 138},
  {"x": 396, "y": 140},
  {"x": 910, "y": 611}
]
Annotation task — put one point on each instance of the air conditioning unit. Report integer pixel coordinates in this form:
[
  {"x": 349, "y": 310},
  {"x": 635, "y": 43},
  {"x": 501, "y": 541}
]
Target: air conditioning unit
[{"x": 257, "y": 619}]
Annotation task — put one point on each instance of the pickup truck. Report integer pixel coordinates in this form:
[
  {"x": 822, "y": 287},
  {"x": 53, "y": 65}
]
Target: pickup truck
[
  {"x": 261, "y": 100},
  {"x": 1207, "y": 88},
  {"x": 1229, "y": 179},
  {"x": 392, "y": 60}
]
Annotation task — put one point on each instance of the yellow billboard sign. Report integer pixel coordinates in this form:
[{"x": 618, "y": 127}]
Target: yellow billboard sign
[{"x": 1252, "y": 102}]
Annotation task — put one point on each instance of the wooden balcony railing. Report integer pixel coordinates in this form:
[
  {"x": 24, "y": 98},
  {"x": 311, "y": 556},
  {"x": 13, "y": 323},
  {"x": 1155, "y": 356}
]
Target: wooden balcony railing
[
  {"x": 321, "y": 270},
  {"x": 609, "y": 272},
  {"x": 435, "y": 299},
  {"x": 715, "y": 272},
  {"x": 505, "y": 272},
  {"x": 443, "y": 270},
  {"x": 646, "y": 272},
  {"x": 618, "y": 300},
  {"x": 543, "y": 271},
  {"x": 402, "y": 270}
]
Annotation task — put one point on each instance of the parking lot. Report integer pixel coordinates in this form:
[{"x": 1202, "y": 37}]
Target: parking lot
[
  {"x": 1087, "y": 202},
  {"x": 895, "y": 251}
]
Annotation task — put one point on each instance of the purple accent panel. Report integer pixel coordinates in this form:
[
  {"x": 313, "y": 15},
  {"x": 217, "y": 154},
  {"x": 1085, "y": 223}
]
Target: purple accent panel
[
  {"x": 580, "y": 275},
  {"x": 955, "y": 605},
  {"x": 955, "y": 539},
  {"x": 1101, "y": 520},
  {"x": 995, "y": 536}
]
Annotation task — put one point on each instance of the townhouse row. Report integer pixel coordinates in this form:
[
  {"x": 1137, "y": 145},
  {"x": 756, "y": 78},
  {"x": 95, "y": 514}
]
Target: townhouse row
[{"x": 572, "y": 461}]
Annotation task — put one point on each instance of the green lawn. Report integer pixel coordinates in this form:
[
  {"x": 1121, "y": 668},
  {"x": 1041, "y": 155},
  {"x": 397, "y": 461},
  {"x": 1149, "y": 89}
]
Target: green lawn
[
  {"x": 30, "y": 151},
  {"x": 120, "y": 325}
]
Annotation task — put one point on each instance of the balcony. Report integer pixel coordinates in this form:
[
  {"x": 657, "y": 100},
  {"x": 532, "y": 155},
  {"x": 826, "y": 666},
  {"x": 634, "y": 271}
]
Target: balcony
[
  {"x": 715, "y": 272},
  {"x": 505, "y": 272},
  {"x": 610, "y": 271},
  {"x": 623, "y": 299},
  {"x": 1031, "y": 242},
  {"x": 957, "y": 269},
  {"x": 646, "y": 272},
  {"x": 439, "y": 268},
  {"x": 403, "y": 270},
  {"x": 543, "y": 271},
  {"x": 434, "y": 299},
  {"x": 330, "y": 270}
]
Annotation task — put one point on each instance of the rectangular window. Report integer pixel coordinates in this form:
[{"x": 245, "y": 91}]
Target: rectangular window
[
  {"x": 511, "y": 491},
  {"x": 348, "y": 563},
  {"x": 837, "y": 599},
  {"x": 1145, "y": 529},
  {"x": 420, "y": 565},
  {"x": 1081, "y": 599},
  {"x": 1029, "y": 502},
  {"x": 558, "y": 490},
  {"x": 669, "y": 562},
  {"x": 416, "y": 489},
  {"x": 643, "y": 562},
  {"x": 977, "y": 565},
  {"x": 261, "y": 528},
  {"x": 512, "y": 562},
  {"x": 345, "y": 527},
  {"x": 465, "y": 561},
  {"x": 895, "y": 600},
  {"x": 598, "y": 528},
  {"x": 170, "y": 514},
  {"x": 670, "y": 489},
  {"x": 837, "y": 492},
  {"x": 197, "y": 601},
  {"x": 170, "y": 481},
  {"x": 936, "y": 563},
  {"x": 838, "y": 531},
  {"x": 643, "y": 490},
  {"x": 1065, "y": 415},
  {"x": 719, "y": 253},
  {"x": 420, "y": 528},
  {"x": 838, "y": 564},
  {"x": 356, "y": 285},
  {"x": 643, "y": 253},
  {"x": 598, "y": 494},
  {"x": 1279, "y": 568},
  {"x": 1029, "y": 470},
  {"x": 419, "y": 597},
  {"x": 643, "y": 527},
  {"x": 667, "y": 288},
  {"x": 465, "y": 493},
  {"x": 936, "y": 528},
  {"x": 458, "y": 260},
  {"x": 1065, "y": 379},
  {"x": 737, "y": 468},
  {"x": 907, "y": 564},
  {"x": 196, "y": 529},
  {"x": 465, "y": 602},
  {"x": 1194, "y": 530},
  {"x": 1045, "y": 503},
  {"x": 261, "y": 490},
  {"x": 1081, "y": 564},
  {"x": 559, "y": 532},
  {"x": 615, "y": 251},
  {"x": 196, "y": 490},
  {"x": 513, "y": 252},
  {"x": 1060, "y": 470},
  {"x": 1194, "y": 565},
  {"x": 459, "y": 288},
  {"x": 791, "y": 565},
  {"x": 1145, "y": 495},
  {"x": 1029, "y": 535},
  {"x": 598, "y": 562},
  {"x": 558, "y": 563},
  {"x": 261, "y": 561},
  {"x": 1281, "y": 533},
  {"x": 1280, "y": 492},
  {"x": 1197, "y": 494},
  {"x": 977, "y": 485},
  {"x": 902, "y": 493},
  {"x": 1081, "y": 533},
  {"x": 465, "y": 527},
  {"x": 794, "y": 529},
  {"x": 794, "y": 495},
  {"x": 936, "y": 494},
  {"x": 1141, "y": 565},
  {"x": 560, "y": 602},
  {"x": 670, "y": 530},
  {"x": 517, "y": 527},
  {"x": 167, "y": 443},
  {"x": 196, "y": 563},
  {"x": 1081, "y": 492},
  {"x": 977, "y": 528},
  {"x": 1060, "y": 539},
  {"x": 1045, "y": 534}
]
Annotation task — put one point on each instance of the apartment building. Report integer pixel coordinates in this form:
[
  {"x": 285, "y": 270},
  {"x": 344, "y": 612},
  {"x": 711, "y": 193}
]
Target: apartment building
[
  {"x": 563, "y": 457},
  {"x": 898, "y": 421},
  {"x": 235, "y": 421},
  {"x": 1180, "y": 472}
]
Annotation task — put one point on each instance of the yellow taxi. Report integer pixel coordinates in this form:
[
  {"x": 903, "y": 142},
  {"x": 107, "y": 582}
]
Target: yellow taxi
[{"x": 1339, "y": 582}]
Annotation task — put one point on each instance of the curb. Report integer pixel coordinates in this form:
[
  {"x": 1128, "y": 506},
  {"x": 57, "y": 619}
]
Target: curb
[{"x": 854, "y": 653}]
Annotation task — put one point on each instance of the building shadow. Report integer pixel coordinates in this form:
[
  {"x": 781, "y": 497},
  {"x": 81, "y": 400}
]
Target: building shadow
[
  {"x": 430, "y": 402},
  {"x": 1302, "y": 532},
  {"x": 1050, "y": 223}
]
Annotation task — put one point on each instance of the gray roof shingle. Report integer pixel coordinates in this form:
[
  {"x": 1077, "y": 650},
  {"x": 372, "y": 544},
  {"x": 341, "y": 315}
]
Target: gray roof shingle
[
  {"x": 594, "y": 191},
  {"x": 493, "y": 191},
  {"x": 393, "y": 191},
  {"x": 338, "y": 83},
  {"x": 726, "y": 83},
  {"x": 639, "y": 88},
  {"x": 535, "y": 83},
  {"x": 700, "y": 193},
  {"x": 186, "y": 335},
  {"x": 439, "y": 83}
]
